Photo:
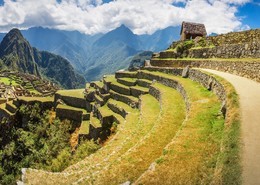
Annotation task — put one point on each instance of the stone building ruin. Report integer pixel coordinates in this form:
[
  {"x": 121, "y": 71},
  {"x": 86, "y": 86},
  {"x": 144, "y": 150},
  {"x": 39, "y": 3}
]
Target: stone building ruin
[{"x": 191, "y": 30}]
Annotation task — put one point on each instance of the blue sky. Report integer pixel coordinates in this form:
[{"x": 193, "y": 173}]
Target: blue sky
[{"x": 141, "y": 16}]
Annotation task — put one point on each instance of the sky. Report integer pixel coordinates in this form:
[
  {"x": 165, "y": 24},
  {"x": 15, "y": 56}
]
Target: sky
[{"x": 141, "y": 16}]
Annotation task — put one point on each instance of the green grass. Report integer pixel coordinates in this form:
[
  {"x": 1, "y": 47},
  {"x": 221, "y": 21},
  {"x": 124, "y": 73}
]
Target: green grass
[
  {"x": 137, "y": 125},
  {"x": 7, "y": 81},
  {"x": 40, "y": 99},
  {"x": 138, "y": 159},
  {"x": 121, "y": 105},
  {"x": 60, "y": 106},
  {"x": 145, "y": 89},
  {"x": 191, "y": 156},
  {"x": 77, "y": 93},
  {"x": 84, "y": 128},
  {"x": 95, "y": 121}
]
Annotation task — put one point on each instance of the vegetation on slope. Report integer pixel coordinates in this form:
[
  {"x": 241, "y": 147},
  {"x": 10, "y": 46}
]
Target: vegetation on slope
[
  {"x": 18, "y": 55},
  {"x": 35, "y": 140}
]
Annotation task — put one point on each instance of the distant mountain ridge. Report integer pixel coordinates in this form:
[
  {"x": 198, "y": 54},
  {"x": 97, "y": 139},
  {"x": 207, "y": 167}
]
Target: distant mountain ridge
[
  {"x": 96, "y": 55},
  {"x": 17, "y": 54}
]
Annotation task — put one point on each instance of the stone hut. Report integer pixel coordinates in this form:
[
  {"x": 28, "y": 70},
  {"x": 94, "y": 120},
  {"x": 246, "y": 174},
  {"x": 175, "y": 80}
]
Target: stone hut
[{"x": 192, "y": 30}]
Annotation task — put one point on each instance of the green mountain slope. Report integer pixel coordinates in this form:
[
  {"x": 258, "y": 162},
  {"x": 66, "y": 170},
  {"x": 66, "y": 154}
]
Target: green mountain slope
[{"x": 17, "y": 54}]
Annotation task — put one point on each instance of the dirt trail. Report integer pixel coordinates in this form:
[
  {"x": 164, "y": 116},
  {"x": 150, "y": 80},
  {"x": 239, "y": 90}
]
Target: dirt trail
[{"x": 249, "y": 94}]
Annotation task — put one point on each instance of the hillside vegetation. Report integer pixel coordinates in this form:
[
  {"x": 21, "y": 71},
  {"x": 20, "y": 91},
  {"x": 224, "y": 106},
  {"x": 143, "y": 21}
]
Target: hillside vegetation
[{"x": 16, "y": 54}]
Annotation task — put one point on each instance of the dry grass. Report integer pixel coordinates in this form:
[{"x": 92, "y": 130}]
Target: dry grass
[
  {"x": 192, "y": 155},
  {"x": 128, "y": 134},
  {"x": 136, "y": 160}
]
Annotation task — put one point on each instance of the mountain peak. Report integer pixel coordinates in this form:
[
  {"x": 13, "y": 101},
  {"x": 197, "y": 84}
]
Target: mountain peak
[
  {"x": 123, "y": 28},
  {"x": 14, "y": 33}
]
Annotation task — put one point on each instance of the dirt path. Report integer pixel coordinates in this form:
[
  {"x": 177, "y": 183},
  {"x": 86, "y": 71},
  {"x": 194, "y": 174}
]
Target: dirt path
[{"x": 249, "y": 94}]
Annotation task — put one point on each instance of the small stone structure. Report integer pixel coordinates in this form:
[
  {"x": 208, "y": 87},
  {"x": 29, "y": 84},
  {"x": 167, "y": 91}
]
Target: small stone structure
[{"x": 192, "y": 30}]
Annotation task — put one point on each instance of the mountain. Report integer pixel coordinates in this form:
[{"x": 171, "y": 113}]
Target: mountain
[
  {"x": 161, "y": 39},
  {"x": 122, "y": 35},
  {"x": 138, "y": 60},
  {"x": 17, "y": 54},
  {"x": 96, "y": 55}
]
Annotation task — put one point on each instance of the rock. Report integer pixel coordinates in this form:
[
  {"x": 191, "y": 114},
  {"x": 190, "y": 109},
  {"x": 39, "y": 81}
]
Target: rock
[
  {"x": 126, "y": 183},
  {"x": 223, "y": 109},
  {"x": 210, "y": 84},
  {"x": 147, "y": 63},
  {"x": 185, "y": 72}
]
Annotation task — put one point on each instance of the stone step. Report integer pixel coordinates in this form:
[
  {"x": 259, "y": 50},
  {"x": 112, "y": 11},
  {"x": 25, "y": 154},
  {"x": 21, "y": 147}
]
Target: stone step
[
  {"x": 11, "y": 107},
  {"x": 118, "y": 107},
  {"x": 129, "y": 100},
  {"x": 125, "y": 74},
  {"x": 4, "y": 112},
  {"x": 99, "y": 100},
  {"x": 119, "y": 88},
  {"x": 136, "y": 91},
  {"x": 127, "y": 81},
  {"x": 144, "y": 83},
  {"x": 71, "y": 113}
]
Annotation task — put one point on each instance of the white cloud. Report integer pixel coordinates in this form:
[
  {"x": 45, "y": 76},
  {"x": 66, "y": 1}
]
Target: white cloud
[{"x": 141, "y": 16}]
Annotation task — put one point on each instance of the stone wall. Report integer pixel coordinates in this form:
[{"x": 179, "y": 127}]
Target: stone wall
[
  {"x": 236, "y": 37},
  {"x": 71, "y": 101},
  {"x": 143, "y": 83},
  {"x": 167, "y": 82},
  {"x": 124, "y": 99},
  {"x": 243, "y": 44},
  {"x": 244, "y": 50},
  {"x": 120, "y": 89},
  {"x": 206, "y": 80},
  {"x": 249, "y": 70},
  {"x": 125, "y": 74},
  {"x": 117, "y": 109},
  {"x": 63, "y": 113}
]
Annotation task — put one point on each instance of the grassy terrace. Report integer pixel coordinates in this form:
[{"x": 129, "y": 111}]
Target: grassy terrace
[
  {"x": 212, "y": 59},
  {"x": 94, "y": 121},
  {"x": 76, "y": 93},
  {"x": 39, "y": 99},
  {"x": 145, "y": 89},
  {"x": 84, "y": 127},
  {"x": 7, "y": 81},
  {"x": 105, "y": 111},
  {"x": 138, "y": 159},
  {"x": 60, "y": 106},
  {"x": 128, "y": 134},
  {"x": 120, "y": 105},
  {"x": 205, "y": 150}
]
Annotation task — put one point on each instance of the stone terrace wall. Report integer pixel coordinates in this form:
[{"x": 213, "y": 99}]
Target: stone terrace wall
[
  {"x": 249, "y": 70},
  {"x": 232, "y": 45},
  {"x": 236, "y": 37},
  {"x": 244, "y": 50},
  {"x": 71, "y": 101},
  {"x": 206, "y": 80},
  {"x": 167, "y": 82}
]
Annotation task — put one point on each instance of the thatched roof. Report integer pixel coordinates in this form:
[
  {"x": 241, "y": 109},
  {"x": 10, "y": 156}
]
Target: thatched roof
[{"x": 193, "y": 28}]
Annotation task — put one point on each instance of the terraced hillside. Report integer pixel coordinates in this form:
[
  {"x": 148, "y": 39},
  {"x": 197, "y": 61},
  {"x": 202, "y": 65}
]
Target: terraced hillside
[{"x": 155, "y": 126}]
